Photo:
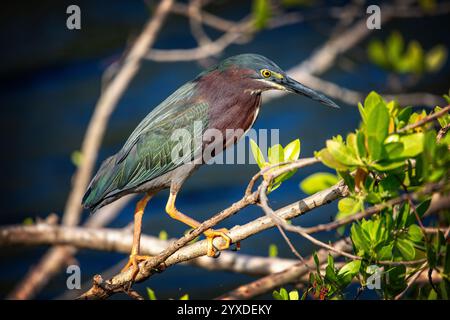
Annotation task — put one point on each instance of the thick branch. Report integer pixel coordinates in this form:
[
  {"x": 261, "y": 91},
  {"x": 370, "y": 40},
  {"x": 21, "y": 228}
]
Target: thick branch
[{"x": 120, "y": 240}]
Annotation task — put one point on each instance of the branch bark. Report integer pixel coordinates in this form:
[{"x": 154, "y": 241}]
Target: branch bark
[{"x": 120, "y": 240}]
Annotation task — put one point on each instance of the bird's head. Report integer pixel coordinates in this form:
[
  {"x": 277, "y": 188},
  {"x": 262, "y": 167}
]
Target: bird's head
[{"x": 262, "y": 74}]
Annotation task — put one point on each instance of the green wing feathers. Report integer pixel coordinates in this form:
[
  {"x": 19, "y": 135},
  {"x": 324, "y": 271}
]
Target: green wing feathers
[{"x": 147, "y": 153}]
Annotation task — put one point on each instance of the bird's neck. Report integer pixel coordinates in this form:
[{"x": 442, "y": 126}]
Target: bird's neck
[{"x": 232, "y": 106}]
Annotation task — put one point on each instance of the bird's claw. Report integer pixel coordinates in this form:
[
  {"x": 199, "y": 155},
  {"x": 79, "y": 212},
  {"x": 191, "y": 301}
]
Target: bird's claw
[
  {"x": 211, "y": 234},
  {"x": 133, "y": 262}
]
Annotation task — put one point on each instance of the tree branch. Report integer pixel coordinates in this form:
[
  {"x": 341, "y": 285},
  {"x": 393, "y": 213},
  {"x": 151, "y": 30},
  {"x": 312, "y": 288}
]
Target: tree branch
[{"x": 120, "y": 240}]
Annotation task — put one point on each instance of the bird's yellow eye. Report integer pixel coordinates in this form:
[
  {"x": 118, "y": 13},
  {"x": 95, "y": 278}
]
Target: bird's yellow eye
[{"x": 266, "y": 73}]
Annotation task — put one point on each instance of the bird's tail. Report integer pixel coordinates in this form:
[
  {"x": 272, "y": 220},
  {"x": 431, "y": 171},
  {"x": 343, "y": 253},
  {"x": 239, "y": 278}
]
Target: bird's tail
[{"x": 101, "y": 186}]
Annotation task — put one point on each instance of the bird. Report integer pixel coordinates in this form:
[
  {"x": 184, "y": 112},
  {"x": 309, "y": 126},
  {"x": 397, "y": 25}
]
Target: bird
[{"x": 225, "y": 96}]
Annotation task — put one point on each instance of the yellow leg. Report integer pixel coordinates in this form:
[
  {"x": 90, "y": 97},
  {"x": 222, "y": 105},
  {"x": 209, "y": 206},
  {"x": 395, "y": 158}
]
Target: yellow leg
[
  {"x": 135, "y": 258},
  {"x": 210, "y": 234}
]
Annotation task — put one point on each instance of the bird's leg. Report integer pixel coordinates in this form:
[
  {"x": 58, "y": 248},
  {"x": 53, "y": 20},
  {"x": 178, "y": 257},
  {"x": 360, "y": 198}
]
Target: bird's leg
[
  {"x": 210, "y": 234},
  {"x": 135, "y": 258}
]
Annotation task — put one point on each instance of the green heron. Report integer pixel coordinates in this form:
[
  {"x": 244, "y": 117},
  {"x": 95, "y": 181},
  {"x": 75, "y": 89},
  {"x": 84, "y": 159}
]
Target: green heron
[{"x": 225, "y": 96}]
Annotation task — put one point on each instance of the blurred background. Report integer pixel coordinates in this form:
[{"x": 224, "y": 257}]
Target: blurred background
[{"x": 51, "y": 78}]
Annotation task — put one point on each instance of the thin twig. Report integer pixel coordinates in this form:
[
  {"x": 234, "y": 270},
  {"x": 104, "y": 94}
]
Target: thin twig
[{"x": 425, "y": 120}]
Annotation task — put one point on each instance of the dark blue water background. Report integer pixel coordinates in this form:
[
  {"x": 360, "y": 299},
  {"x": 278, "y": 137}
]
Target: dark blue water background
[{"x": 50, "y": 81}]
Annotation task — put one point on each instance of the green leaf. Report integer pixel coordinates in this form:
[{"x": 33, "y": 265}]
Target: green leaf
[
  {"x": 325, "y": 156},
  {"x": 77, "y": 158},
  {"x": 316, "y": 261},
  {"x": 412, "y": 145},
  {"x": 351, "y": 268},
  {"x": 372, "y": 100},
  {"x": 443, "y": 120},
  {"x": 404, "y": 115},
  {"x": 276, "y": 154},
  {"x": 394, "y": 47},
  {"x": 28, "y": 221},
  {"x": 359, "y": 239},
  {"x": 318, "y": 182},
  {"x": 406, "y": 248},
  {"x": 397, "y": 283},
  {"x": 387, "y": 165},
  {"x": 432, "y": 295},
  {"x": 385, "y": 253},
  {"x": 151, "y": 294},
  {"x": 293, "y": 295},
  {"x": 362, "y": 112},
  {"x": 163, "y": 235},
  {"x": 435, "y": 58},
  {"x": 415, "y": 233},
  {"x": 348, "y": 205},
  {"x": 257, "y": 154},
  {"x": 375, "y": 148},
  {"x": 413, "y": 59},
  {"x": 261, "y": 12},
  {"x": 284, "y": 294},
  {"x": 276, "y": 295},
  {"x": 360, "y": 145},
  {"x": 341, "y": 153},
  {"x": 273, "y": 250},
  {"x": 427, "y": 5},
  {"x": 376, "y": 53},
  {"x": 292, "y": 150},
  {"x": 378, "y": 122},
  {"x": 394, "y": 150}
]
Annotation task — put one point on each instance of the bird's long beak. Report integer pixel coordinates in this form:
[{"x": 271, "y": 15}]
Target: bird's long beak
[{"x": 296, "y": 87}]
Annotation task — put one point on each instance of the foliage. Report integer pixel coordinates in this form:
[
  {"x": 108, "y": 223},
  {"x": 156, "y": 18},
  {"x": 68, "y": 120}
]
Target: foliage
[
  {"x": 261, "y": 13},
  {"x": 163, "y": 235},
  {"x": 378, "y": 162},
  {"x": 318, "y": 181},
  {"x": 273, "y": 251},
  {"x": 152, "y": 296},
  {"x": 334, "y": 281},
  {"x": 393, "y": 152},
  {"x": 275, "y": 155},
  {"x": 76, "y": 157},
  {"x": 394, "y": 55},
  {"x": 284, "y": 295}
]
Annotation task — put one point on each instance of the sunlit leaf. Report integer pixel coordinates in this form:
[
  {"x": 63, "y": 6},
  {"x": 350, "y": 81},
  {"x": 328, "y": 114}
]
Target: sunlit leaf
[
  {"x": 273, "y": 250},
  {"x": 293, "y": 295},
  {"x": 151, "y": 294},
  {"x": 376, "y": 53},
  {"x": 435, "y": 58},
  {"x": 292, "y": 150},
  {"x": 318, "y": 182},
  {"x": 257, "y": 154},
  {"x": 406, "y": 248},
  {"x": 276, "y": 154},
  {"x": 261, "y": 13}
]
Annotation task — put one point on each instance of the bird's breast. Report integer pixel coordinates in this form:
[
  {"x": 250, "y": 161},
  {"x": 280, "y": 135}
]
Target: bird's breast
[{"x": 228, "y": 122}]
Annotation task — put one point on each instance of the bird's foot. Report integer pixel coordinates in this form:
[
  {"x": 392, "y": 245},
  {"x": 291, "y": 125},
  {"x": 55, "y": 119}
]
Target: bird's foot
[
  {"x": 211, "y": 235},
  {"x": 133, "y": 262}
]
